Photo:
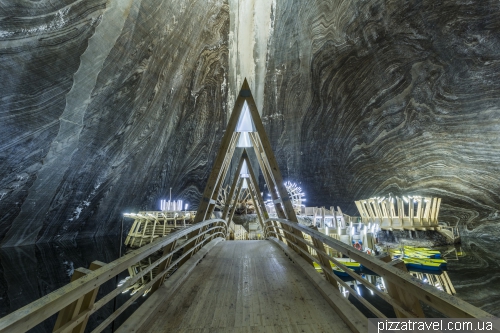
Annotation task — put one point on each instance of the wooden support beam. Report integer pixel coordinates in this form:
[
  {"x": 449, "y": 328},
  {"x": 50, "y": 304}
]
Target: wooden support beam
[
  {"x": 221, "y": 156},
  {"x": 267, "y": 177},
  {"x": 324, "y": 260},
  {"x": 410, "y": 303},
  {"x": 268, "y": 156},
  {"x": 269, "y": 183},
  {"x": 65, "y": 321},
  {"x": 220, "y": 180},
  {"x": 166, "y": 250},
  {"x": 233, "y": 208},
  {"x": 256, "y": 203},
  {"x": 257, "y": 189},
  {"x": 225, "y": 213}
]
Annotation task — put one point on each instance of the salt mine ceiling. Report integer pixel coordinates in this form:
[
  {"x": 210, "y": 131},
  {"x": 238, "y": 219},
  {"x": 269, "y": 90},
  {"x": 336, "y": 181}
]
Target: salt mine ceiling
[{"x": 106, "y": 105}]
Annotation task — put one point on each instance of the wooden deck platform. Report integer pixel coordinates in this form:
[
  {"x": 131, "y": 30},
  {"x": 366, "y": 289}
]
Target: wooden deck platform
[{"x": 246, "y": 286}]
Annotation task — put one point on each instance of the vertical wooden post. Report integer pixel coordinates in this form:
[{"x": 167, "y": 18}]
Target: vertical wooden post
[
  {"x": 166, "y": 250},
  {"x": 323, "y": 217},
  {"x": 409, "y": 302},
  {"x": 84, "y": 303},
  {"x": 324, "y": 260}
]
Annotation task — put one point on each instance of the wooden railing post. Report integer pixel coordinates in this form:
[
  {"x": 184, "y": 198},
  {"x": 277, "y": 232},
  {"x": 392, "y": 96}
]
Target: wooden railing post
[
  {"x": 166, "y": 250},
  {"x": 324, "y": 260},
  {"x": 82, "y": 304},
  {"x": 409, "y": 302}
]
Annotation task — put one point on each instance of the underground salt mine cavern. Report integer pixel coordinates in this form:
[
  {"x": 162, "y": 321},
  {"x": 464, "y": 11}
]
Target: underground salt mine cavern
[{"x": 249, "y": 166}]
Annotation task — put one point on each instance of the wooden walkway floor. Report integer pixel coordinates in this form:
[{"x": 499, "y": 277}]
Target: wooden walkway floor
[{"x": 246, "y": 286}]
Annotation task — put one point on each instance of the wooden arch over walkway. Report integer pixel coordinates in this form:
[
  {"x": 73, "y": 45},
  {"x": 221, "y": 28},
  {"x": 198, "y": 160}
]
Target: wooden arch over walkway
[{"x": 245, "y": 111}]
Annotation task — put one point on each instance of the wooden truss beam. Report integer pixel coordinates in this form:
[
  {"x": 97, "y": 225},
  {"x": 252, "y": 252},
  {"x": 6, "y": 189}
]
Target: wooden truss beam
[{"x": 267, "y": 162}]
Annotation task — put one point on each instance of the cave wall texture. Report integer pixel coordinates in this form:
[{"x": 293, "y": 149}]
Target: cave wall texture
[
  {"x": 364, "y": 98},
  {"x": 106, "y": 104}
]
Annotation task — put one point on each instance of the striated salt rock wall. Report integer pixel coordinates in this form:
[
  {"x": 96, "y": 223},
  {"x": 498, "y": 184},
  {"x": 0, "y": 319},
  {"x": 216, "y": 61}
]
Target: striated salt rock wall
[
  {"x": 105, "y": 105},
  {"x": 363, "y": 98}
]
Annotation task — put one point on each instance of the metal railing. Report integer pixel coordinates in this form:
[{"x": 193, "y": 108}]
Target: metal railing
[
  {"x": 404, "y": 290},
  {"x": 75, "y": 302}
]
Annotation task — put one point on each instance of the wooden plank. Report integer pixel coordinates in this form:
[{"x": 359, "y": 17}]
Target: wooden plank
[
  {"x": 246, "y": 286},
  {"x": 148, "y": 309},
  {"x": 351, "y": 316}
]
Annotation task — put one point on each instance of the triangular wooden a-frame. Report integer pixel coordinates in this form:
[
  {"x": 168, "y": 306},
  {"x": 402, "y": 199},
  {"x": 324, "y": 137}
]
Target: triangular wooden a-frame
[{"x": 267, "y": 163}]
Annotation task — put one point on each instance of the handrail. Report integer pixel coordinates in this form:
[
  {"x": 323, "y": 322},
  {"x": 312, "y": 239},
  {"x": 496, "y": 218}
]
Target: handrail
[
  {"x": 34, "y": 313},
  {"x": 449, "y": 305},
  {"x": 355, "y": 276}
]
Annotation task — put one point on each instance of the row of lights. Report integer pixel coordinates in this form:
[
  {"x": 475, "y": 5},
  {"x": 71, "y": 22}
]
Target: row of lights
[{"x": 406, "y": 199}]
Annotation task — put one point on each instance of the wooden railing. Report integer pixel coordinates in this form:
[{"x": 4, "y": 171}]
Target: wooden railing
[
  {"x": 75, "y": 302},
  {"x": 404, "y": 290}
]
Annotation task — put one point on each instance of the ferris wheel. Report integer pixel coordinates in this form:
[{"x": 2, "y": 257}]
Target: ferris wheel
[{"x": 294, "y": 193}]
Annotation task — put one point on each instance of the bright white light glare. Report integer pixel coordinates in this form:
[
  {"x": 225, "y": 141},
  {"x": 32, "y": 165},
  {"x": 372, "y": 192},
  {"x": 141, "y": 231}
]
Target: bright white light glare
[
  {"x": 245, "y": 123},
  {"x": 170, "y": 205},
  {"x": 186, "y": 207},
  {"x": 244, "y": 171},
  {"x": 244, "y": 141}
]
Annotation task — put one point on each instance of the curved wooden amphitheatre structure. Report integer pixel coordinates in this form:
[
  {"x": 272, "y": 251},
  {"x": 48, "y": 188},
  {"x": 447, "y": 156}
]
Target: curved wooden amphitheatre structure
[{"x": 239, "y": 286}]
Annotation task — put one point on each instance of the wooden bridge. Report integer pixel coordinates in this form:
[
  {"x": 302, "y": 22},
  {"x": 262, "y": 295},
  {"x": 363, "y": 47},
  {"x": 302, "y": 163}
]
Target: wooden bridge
[{"x": 240, "y": 286}]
